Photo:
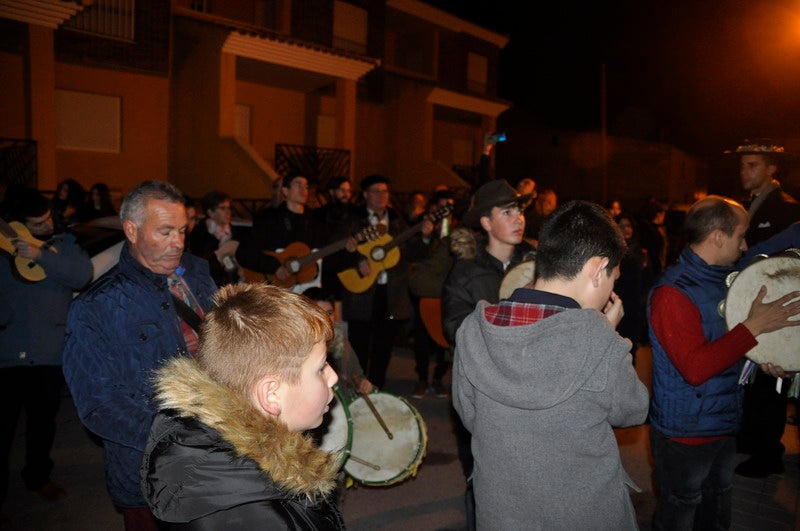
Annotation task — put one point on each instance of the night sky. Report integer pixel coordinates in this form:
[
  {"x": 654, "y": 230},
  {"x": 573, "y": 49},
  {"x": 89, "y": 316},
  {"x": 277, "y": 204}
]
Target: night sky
[{"x": 700, "y": 75}]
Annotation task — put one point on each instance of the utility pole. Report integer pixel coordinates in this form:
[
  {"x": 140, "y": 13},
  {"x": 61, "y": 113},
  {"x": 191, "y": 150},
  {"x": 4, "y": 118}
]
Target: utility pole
[{"x": 604, "y": 131}]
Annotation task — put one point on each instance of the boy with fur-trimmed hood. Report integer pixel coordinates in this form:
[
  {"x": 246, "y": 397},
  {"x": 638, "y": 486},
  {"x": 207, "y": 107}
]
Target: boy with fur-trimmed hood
[
  {"x": 541, "y": 378},
  {"x": 227, "y": 448}
]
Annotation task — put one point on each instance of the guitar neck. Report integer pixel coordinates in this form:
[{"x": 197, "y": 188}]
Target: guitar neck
[
  {"x": 408, "y": 233},
  {"x": 322, "y": 253},
  {"x": 401, "y": 238}
]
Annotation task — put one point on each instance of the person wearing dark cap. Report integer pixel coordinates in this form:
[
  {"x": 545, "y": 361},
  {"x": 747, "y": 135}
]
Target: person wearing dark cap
[
  {"x": 497, "y": 209},
  {"x": 771, "y": 210},
  {"x": 373, "y": 314},
  {"x": 38, "y": 283}
]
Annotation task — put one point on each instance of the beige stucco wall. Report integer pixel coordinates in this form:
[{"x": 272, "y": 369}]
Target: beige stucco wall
[
  {"x": 144, "y": 151},
  {"x": 12, "y": 104},
  {"x": 372, "y": 141},
  {"x": 277, "y": 116}
]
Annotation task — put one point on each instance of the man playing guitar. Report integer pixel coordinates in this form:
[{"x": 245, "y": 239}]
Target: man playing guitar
[
  {"x": 277, "y": 227},
  {"x": 373, "y": 315}
]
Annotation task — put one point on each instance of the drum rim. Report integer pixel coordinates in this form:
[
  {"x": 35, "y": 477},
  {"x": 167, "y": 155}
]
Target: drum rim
[
  {"x": 344, "y": 453},
  {"x": 422, "y": 447}
]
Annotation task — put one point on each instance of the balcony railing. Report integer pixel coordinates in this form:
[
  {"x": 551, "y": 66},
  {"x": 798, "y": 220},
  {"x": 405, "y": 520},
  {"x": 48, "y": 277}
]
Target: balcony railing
[{"x": 316, "y": 164}]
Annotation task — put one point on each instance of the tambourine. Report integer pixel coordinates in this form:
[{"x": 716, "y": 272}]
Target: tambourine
[
  {"x": 780, "y": 273},
  {"x": 517, "y": 276}
]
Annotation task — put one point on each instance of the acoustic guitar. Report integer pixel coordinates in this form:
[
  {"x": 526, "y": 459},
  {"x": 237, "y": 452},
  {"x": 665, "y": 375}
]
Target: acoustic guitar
[
  {"x": 27, "y": 269},
  {"x": 301, "y": 261},
  {"x": 383, "y": 253}
]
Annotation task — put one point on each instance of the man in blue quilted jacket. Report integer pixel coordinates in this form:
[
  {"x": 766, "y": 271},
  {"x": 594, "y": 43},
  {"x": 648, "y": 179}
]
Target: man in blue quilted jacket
[{"x": 143, "y": 312}]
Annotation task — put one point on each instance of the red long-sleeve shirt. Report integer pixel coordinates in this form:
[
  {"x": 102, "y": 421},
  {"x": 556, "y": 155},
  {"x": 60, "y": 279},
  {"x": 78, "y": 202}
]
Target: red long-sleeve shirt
[{"x": 677, "y": 324}]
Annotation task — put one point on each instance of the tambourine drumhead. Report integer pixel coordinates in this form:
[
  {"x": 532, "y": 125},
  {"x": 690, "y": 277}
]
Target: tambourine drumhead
[
  {"x": 336, "y": 432},
  {"x": 781, "y": 275},
  {"x": 397, "y": 458},
  {"x": 516, "y": 277}
]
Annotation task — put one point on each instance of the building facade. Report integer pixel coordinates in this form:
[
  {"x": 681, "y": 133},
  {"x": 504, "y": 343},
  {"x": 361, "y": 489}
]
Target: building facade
[{"x": 234, "y": 94}]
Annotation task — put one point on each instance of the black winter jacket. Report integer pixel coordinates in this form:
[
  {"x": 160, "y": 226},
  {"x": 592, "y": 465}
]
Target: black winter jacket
[{"x": 213, "y": 462}]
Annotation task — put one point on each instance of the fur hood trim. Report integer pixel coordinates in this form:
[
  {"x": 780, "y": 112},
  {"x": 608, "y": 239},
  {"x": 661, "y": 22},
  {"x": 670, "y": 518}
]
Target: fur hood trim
[
  {"x": 290, "y": 458},
  {"x": 463, "y": 243}
]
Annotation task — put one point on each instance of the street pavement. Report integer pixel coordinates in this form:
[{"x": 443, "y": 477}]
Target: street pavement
[{"x": 432, "y": 500}]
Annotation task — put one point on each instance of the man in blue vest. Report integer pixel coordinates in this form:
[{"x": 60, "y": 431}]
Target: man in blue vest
[{"x": 696, "y": 405}]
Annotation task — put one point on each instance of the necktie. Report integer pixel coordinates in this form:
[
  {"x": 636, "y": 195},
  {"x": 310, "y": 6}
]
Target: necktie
[{"x": 179, "y": 288}]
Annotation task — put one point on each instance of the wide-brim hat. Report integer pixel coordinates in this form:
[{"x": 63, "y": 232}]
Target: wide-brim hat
[
  {"x": 492, "y": 194},
  {"x": 757, "y": 146}
]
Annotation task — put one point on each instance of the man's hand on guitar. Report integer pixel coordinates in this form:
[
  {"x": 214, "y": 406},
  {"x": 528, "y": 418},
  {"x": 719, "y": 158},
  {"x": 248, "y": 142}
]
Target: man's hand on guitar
[
  {"x": 364, "y": 268},
  {"x": 427, "y": 228},
  {"x": 351, "y": 244},
  {"x": 283, "y": 274},
  {"x": 27, "y": 250}
]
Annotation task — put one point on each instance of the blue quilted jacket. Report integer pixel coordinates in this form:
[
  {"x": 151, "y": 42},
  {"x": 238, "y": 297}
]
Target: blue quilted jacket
[{"x": 118, "y": 331}]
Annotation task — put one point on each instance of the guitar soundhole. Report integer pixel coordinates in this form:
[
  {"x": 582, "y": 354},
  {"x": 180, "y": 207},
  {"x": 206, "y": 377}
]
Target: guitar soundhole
[{"x": 378, "y": 254}]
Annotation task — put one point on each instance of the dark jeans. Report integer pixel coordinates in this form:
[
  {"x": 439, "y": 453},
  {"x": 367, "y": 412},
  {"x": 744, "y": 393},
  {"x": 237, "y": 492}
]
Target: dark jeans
[
  {"x": 373, "y": 340},
  {"x": 37, "y": 390},
  {"x": 694, "y": 483},
  {"x": 764, "y": 419}
]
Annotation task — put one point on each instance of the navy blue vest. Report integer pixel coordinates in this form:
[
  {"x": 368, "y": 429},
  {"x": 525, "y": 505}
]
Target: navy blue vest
[{"x": 678, "y": 409}]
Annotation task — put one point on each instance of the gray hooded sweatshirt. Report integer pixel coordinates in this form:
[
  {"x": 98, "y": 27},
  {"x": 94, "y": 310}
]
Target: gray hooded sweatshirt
[{"x": 541, "y": 400}]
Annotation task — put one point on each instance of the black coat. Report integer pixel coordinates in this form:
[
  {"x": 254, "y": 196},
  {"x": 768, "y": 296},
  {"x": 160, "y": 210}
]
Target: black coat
[
  {"x": 778, "y": 211},
  {"x": 246, "y": 472}
]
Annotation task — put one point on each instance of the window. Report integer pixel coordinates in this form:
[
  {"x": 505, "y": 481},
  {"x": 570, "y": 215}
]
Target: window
[
  {"x": 477, "y": 73},
  {"x": 199, "y": 5},
  {"x": 109, "y": 18},
  {"x": 349, "y": 27}
]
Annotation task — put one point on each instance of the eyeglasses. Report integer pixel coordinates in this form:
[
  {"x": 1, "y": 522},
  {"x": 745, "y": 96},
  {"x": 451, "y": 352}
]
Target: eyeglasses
[{"x": 381, "y": 192}]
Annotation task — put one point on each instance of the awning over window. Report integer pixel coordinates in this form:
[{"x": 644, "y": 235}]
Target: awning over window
[
  {"x": 463, "y": 102},
  {"x": 294, "y": 55},
  {"x": 47, "y": 13}
]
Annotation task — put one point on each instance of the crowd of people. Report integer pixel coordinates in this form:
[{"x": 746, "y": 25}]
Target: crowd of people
[{"x": 204, "y": 356}]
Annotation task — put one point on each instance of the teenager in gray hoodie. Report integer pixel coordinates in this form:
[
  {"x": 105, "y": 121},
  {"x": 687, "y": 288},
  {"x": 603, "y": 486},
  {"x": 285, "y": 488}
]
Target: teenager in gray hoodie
[{"x": 540, "y": 379}]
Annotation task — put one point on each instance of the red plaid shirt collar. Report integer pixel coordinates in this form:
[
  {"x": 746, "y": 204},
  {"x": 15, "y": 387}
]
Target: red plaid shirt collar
[{"x": 508, "y": 313}]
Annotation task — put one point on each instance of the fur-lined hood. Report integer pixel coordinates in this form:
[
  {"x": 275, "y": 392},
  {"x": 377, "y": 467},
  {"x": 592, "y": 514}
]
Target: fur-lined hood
[
  {"x": 290, "y": 459},
  {"x": 464, "y": 243}
]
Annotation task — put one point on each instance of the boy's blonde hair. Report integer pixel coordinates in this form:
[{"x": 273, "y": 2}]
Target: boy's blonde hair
[{"x": 257, "y": 329}]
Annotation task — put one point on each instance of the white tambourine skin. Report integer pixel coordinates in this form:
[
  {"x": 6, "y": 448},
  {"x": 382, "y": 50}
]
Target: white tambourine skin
[{"x": 781, "y": 275}]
